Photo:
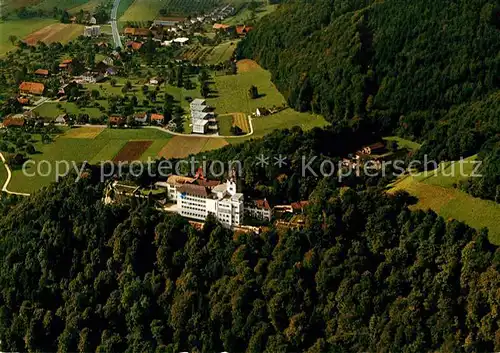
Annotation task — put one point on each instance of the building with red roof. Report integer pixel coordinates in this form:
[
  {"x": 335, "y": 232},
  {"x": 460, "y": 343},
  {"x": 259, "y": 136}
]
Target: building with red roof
[{"x": 34, "y": 88}]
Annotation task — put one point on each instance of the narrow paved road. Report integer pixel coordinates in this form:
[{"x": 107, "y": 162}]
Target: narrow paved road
[
  {"x": 9, "y": 176},
  {"x": 114, "y": 24}
]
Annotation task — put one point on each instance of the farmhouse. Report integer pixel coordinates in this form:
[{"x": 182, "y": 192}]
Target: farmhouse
[
  {"x": 14, "y": 121},
  {"x": 23, "y": 100},
  {"x": 259, "y": 209},
  {"x": 221, "y": 26},
  {"x": 116, "y": 120},
  {"x": 243, "y": 30},
  {"x": 141, "y": 118},
  {"x": 42, "y": 72},
  {"x": 157, "y": 119},
  {"x": 34, "y": 88},
  {"x": 66, "y": 64},
  {"x": 134, "y": 45}
]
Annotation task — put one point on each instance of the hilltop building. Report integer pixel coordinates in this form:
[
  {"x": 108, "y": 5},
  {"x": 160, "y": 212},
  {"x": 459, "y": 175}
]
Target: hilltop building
[{"x": 197, "y": 198}]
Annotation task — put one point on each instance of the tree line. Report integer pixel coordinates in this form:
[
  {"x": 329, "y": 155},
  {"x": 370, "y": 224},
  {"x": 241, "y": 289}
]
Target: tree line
[{"x": 427, "y": 70}]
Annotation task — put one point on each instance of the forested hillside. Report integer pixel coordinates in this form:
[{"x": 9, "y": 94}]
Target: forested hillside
[
  {"x": 427, "y": 70},
  {"x": 365, "y": 274}
]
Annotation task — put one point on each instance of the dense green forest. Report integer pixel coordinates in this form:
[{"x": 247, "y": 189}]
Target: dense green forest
[
  {"x": 366, "y": 274},
  {"x": 426, "y": 70}
]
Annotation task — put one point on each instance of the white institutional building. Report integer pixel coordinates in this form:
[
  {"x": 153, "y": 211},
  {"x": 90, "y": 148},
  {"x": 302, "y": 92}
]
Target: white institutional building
[
  {"x": 197, "y": 198},
  {"x": 200, "y": 116}
]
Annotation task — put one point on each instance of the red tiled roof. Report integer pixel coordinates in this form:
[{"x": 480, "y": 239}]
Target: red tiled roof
[
  {"x": 23, "y": 100},
  {"x": 42, "y": 72},
  {"x": 243, "y": 29},
  {"x": 195, "y": 190},
  {"x": 134, "y": 45},
  {"x": 220, "y": 26},
  {"x": 299, "y": 205},
  {"x": 67, "y": 61},
  {"x": 13, "y": 122},
  {"x": 157, "y": 117},
  {"x": 116, "y": 119},
  {"x": 32, "y": 87}
]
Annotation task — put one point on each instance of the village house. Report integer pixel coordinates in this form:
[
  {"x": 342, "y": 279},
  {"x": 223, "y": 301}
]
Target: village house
[
  {"x": 42, "y": 72},
  {"x": 243, "y": 30},
  {"x": 61, "y": 119},
  {"x": 14, "y": 121},
  {"x": 221, "y": 27},
  {"x": 116, "y": 121},
  {"x": 156, "y": 81},
  {"x": 23, "y": 100},
  {"x": 134, "y": 45},
  {"x": 200, "y": 126},
  {"x": 141, "y": 118},
  {"x": 33, "y": 88},
  {"x": 66, "y": 64},
  {"x": 262, "y": 112},
  {"x": 157, "y": 119}
]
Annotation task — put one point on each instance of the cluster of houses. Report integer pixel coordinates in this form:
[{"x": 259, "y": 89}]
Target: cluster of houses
[
  {"x": 174, "y": 26},
  {"x": 202, "y": 117},
  {"x": 92, "y": 31}
]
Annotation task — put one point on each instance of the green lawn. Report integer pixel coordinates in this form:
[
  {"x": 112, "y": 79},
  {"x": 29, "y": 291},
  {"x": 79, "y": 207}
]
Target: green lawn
[
  {"x": 102, "y": 148},
  {"x": 452, "y": 203},
  {"x": 225, "y": 123},
  {"x": 231, "y": 92},
  {"x": 449, "y": 174},
  {"x": 403, "y": 143},
  {"x": 244, "y": 15},
  {"x": 20, "y": 29},
  {"x": 221, "y": 52},
  {"x": 50, "y": 110},
  {"x": 142, "y": 10}
]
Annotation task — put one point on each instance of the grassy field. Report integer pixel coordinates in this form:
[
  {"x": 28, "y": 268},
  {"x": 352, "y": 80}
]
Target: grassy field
[
  {"x": 403, "y": 143},
  {"x": 452, "y": 203},
  {"x": 70, "y": 147},
  {"x": 20, "y": 29},
  {"x": 183, "y": 146},
  {"x": 231, "y": 92},
  {"x": 287, "y": 118},
  {"x": 142, "y": 10},
  {"x": 51, "y": 111},
  {"x": 57, "y": 32},
  {"x": 245, "y": 15},
  {"x": 221, "y": 52},
  {"x": 225, "y": 123}
]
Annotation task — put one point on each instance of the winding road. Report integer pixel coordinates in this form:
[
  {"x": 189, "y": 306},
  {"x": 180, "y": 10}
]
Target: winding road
[
  {"x": 9, "y": 176},
  {"x": 114, "y": 25}
]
